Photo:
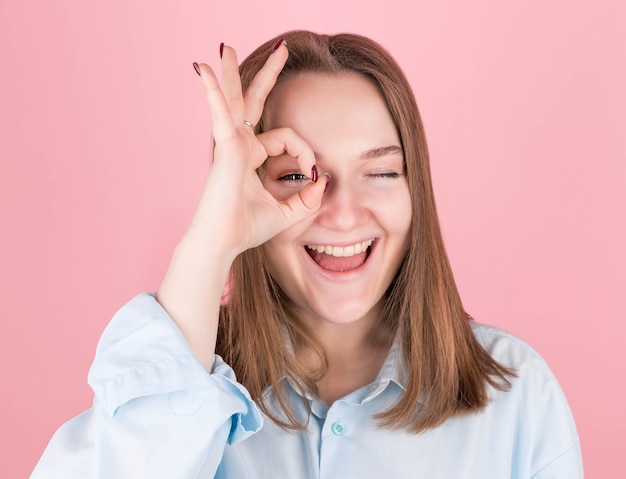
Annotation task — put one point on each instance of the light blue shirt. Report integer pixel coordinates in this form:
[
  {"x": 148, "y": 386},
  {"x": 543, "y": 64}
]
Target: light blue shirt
[{"x": 159, "y": 414}]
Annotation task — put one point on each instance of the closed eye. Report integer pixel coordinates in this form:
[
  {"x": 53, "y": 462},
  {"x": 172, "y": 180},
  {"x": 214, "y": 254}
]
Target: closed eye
[{"x": 389, "y": 174}]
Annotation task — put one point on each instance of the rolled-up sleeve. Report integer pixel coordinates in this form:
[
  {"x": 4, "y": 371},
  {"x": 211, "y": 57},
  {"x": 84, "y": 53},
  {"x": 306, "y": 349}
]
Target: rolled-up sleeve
[{"x": 157, "y": 412}]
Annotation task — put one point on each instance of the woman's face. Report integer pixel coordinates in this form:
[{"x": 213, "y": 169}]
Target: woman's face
[{"x": 336, "y": 265}]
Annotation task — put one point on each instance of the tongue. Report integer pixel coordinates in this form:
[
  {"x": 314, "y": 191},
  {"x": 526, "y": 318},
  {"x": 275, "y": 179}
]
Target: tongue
[{"x": 332, "y": 263}]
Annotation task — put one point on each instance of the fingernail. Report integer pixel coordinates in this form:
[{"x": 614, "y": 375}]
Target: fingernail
[
  {"x": 196, "y": 67},
  {"x": 314, "y": 174},
  {"x": 278, "y": 44},
  {"x": 327, "y": 175},
  {"x": 221, "y": 49}
]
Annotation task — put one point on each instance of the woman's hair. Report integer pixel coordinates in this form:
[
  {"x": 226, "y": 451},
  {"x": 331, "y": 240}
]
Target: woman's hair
[{"x": 449, "y": 373}]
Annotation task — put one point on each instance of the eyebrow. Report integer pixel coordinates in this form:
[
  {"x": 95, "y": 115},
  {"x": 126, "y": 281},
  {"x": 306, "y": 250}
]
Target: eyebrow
[
  {"x": 380, "y": 152},
  {"x": 374, "y": 152}
]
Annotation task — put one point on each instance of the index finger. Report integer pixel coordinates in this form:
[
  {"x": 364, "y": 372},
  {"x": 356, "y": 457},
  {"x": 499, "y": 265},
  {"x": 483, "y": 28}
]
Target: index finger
[{"x": 285, "y": 140}]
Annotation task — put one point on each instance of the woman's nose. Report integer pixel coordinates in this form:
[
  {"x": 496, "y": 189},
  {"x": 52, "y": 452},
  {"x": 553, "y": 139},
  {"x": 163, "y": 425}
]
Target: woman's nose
[{"x": 343, "y": 207}]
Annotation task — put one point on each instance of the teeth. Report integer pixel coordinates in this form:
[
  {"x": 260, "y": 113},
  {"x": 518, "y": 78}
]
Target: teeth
[{"x": 342, "y": 251}]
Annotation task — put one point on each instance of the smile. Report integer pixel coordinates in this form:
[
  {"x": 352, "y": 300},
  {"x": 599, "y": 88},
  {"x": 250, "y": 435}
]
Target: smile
[
  {"x": 340, "y": 259},
  {"x": 342, "y": 251}
]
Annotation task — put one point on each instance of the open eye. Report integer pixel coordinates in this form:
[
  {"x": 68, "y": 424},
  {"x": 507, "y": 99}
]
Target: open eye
[{"x": 295, "y": 179}]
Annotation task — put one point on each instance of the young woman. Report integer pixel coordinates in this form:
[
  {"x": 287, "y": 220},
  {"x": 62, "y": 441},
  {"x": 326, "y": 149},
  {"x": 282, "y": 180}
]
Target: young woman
[{"x": 342, "y": 349}]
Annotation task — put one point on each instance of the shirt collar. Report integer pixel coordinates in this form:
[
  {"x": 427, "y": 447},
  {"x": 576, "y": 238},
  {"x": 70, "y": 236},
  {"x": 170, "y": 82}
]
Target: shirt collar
[{"x": 393, "y": 370}]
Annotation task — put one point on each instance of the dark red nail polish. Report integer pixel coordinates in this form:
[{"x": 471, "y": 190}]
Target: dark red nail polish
[
  {"x": 327, "y": 175},
  {"x": 221, "y": 49},
  {"x": 196, "y": 67},
  {"x": 314, "y": 174},
  {"x": 278, "y": 44}
]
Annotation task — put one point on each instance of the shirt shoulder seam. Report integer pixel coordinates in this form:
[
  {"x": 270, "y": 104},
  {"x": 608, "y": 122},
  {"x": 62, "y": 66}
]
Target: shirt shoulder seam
[{"x": 573, "y": 446}]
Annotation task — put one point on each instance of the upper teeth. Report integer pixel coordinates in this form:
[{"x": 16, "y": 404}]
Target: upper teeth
[{"x": 341, "y": 251}]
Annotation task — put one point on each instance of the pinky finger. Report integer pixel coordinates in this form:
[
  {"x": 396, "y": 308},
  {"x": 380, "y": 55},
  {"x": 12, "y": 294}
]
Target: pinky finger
[{"x": 221, "y": 118}]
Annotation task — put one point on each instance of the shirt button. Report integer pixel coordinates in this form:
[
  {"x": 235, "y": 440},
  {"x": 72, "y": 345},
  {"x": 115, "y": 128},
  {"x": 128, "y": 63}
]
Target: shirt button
[{"x": 338, "y": 429}]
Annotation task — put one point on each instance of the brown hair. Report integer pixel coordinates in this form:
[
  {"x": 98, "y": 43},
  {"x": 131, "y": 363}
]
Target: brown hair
[{"x": 448, "y": 371}]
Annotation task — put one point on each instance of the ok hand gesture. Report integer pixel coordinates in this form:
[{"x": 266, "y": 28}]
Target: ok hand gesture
[
  {"x": 235, "y": 206},
  {"x": 235, "y": 212}
]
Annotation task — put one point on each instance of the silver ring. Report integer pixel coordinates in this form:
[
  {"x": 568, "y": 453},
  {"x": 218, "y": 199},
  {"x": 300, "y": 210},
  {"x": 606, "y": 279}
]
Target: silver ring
[{"x": 249, "y": 123}]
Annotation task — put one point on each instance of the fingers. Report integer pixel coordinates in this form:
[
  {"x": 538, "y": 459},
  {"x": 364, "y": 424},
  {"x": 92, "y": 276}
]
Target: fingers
[
  {"x": 304, "y": 203},
  {"x": 231, "y": 84},
  {"x": 307, "y": 200},
  {"x": 221, "y": 118},
  {"x": 263, "y": 82},
  {"x": 228, "y": 101},
  {"x": 285, "y": 140},
  {"x": 225, "y": 100}
]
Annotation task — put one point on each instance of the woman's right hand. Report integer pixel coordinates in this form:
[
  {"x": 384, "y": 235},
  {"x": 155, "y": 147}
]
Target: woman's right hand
[
  {"x": 235, "y": 209},
  {"x": 235, "y": 212}
]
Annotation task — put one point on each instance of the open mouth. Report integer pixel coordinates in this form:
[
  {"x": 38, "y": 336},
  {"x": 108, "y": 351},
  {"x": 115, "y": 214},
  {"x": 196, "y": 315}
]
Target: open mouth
[{"x": 340, "y": 258}]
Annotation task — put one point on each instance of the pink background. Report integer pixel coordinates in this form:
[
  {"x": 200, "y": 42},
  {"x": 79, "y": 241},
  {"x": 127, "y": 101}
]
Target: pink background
[{"x": 104, "y": 141}]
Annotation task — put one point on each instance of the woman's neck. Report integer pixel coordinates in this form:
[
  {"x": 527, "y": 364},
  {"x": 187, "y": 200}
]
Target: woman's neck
[
  {"x": 355, "y": 351},
  {"x": 347, "y": 373}
]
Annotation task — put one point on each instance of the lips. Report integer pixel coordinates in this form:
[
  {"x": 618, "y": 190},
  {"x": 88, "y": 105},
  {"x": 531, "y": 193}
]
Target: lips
[{"x": 340, "y": 258}]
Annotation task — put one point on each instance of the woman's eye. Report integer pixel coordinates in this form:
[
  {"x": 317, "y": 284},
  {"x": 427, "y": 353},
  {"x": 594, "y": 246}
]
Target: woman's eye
[
  {"x": 295, "y": 178},
  {"x": 388, "y": 174}
]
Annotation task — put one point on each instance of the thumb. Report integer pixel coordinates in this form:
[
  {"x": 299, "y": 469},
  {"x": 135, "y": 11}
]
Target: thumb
[{"x": 307, "y": 201}]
